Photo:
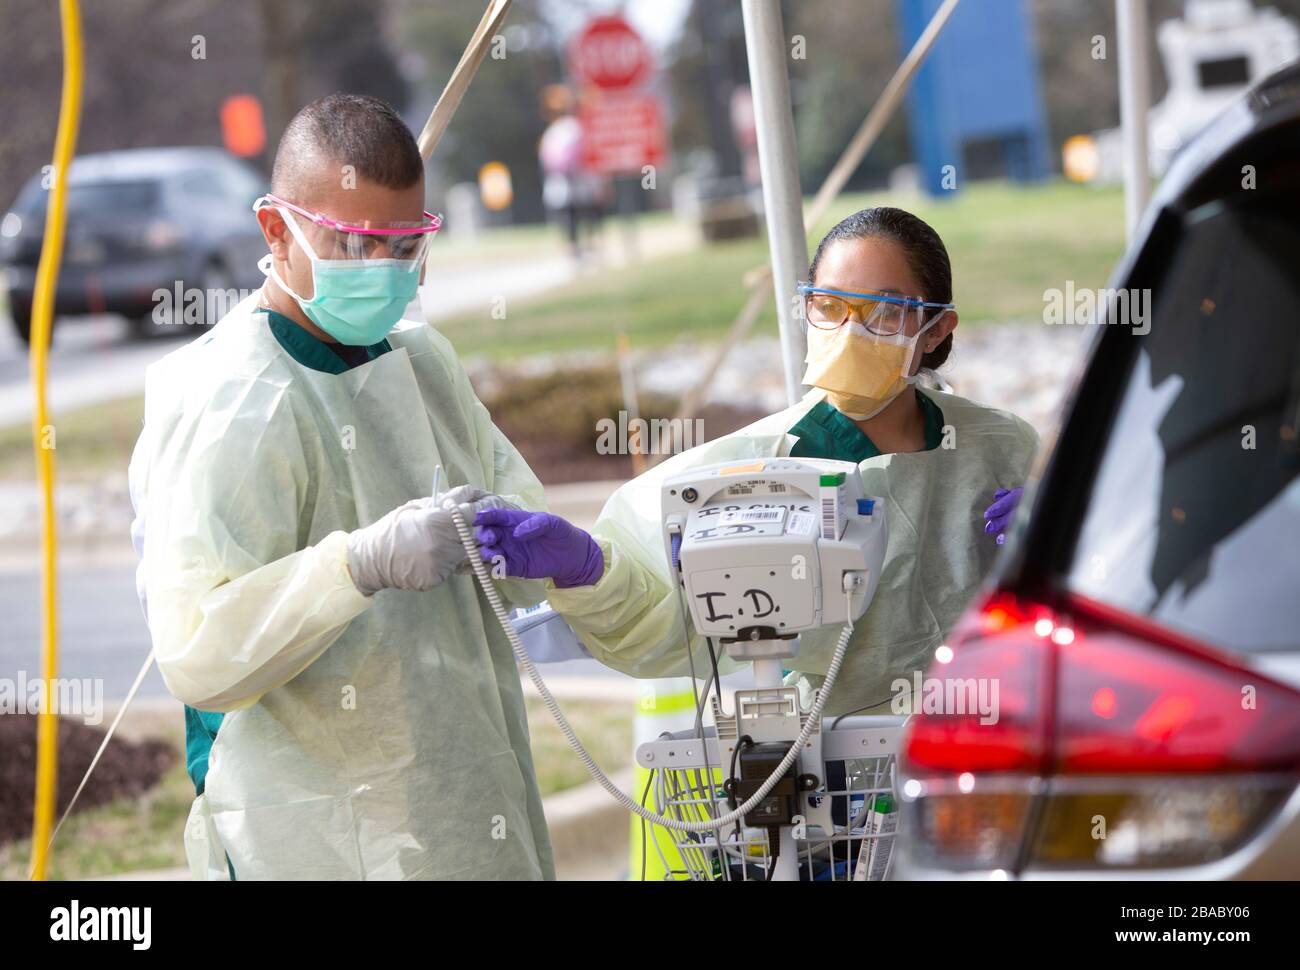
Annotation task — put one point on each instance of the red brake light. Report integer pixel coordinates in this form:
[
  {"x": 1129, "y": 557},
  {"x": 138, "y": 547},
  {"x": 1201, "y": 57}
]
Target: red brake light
[
  {"x": 995, "y": 644},
  {"x": 1126, "y": 705},
  {"x": 1101, "y": 692}
]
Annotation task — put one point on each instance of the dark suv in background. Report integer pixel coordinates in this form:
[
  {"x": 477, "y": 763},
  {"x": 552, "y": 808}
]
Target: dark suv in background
[
  {"x": 1144, "y": 626},
  {"x": 138, "y": 221}
]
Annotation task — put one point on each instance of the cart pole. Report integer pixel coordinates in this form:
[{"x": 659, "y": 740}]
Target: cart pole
[{"x": 765, "y": 46}]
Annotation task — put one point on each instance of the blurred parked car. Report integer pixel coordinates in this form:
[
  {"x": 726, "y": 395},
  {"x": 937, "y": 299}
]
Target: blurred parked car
[
  {"x": 139, "y": 221},
  {"x": 1144, "y": 628}
]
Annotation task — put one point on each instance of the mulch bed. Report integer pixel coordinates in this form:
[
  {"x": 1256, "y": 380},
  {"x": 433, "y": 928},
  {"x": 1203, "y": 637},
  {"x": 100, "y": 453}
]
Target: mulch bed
[
  {"x": 556, "y": 461},
  {"x": 127, "y": 770}
]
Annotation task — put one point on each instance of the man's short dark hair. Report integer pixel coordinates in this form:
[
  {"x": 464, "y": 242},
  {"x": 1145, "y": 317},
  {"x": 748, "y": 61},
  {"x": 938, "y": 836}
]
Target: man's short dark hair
[{"x": 350, "y": 129}]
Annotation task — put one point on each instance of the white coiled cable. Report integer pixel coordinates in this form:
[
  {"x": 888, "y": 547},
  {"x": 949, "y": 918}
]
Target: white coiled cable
[{"x": 732, "y": 817}]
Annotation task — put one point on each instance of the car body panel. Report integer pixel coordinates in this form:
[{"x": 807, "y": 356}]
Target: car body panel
[
  {"x": 1258, "y": 134},
  {"x": 196, "y": 211}
]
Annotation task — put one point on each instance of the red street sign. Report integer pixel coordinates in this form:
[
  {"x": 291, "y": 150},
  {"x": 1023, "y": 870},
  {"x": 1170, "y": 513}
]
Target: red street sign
[
  {"x": 609, "y": 54},
  {"x": 621, "y": 132}
]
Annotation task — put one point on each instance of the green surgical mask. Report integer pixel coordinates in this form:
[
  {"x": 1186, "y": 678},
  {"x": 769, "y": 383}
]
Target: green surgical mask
[{"x": 355, "y": 301}]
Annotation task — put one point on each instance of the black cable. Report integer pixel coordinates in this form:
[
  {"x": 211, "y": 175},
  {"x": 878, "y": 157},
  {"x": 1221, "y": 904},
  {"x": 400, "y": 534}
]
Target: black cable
[
  {"x": 644, "y": 795},
  {"x": 743, "y": 741},
  {"x": 699, "y": 703},
  {"x": 713, "y": 660},
  {"x": 835, "y": 723},
  {"x": 731, "y": 778},
  {"x": 717, "y": 683},
  {"x": 707, "y": 786}
]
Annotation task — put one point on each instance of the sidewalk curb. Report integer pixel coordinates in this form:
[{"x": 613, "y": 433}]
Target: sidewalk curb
[{"x": 589, "y": 831}]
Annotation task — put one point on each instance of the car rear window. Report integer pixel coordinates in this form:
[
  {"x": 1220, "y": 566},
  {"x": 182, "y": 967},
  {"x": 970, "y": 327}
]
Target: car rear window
[
  {"x": 107, "y": 196},
  {"x": 1194, "y": 518}
]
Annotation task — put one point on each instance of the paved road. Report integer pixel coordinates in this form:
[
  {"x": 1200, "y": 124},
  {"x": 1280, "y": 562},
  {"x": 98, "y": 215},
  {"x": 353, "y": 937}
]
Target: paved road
[
  {"x": 92, "y": 360},
  {"x": 102, "y": 633}
]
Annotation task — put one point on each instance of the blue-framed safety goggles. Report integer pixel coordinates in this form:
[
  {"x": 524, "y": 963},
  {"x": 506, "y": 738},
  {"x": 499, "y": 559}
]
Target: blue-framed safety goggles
[{"x": 881, "y": 313}]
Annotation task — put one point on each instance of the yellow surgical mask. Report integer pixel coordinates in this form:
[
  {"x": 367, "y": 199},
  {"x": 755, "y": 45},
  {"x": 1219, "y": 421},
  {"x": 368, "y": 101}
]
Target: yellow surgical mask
[{"x": 860, "y": 371}]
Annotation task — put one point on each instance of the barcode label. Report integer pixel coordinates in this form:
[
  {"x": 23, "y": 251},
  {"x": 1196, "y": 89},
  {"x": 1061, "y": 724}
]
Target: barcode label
[
  {"x": 830, "y": 527},
  {"x": 753, "y": 515},
  {"x": 800, "y": 523}
]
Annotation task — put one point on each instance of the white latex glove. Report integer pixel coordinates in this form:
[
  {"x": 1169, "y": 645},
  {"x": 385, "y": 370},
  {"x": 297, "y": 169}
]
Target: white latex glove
[{"x": 415, "y": 546}]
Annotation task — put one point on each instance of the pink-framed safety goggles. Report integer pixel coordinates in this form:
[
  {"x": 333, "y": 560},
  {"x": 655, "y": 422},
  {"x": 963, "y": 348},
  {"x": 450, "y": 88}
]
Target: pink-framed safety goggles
[{"x": 340, "y": 240}]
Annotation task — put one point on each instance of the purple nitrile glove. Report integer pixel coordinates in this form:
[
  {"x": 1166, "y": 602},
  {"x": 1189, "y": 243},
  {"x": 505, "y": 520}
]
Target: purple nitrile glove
[
  {"x": 538, "y": 545},
  {"x": 1000, "y": 512}
]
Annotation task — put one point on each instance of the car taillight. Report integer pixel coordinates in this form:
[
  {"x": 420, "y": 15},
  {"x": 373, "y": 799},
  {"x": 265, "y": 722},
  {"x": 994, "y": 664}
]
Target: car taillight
[
  {"x": 1114, "y": 743},
  {"x": 996, "y": 645},
  {"x": 1135, "y": 698}
]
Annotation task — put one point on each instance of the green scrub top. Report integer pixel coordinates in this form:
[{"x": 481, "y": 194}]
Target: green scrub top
[
  {"x": 824, "y": 432},
  {"x": 201, "y": 726}
]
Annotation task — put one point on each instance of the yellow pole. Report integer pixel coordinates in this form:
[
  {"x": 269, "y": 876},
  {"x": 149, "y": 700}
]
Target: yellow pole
[{"x": 47, "y": 276}]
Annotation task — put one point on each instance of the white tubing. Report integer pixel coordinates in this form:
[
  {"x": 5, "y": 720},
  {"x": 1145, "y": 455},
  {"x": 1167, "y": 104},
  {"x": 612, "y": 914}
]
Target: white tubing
[{"x": 629, "y": 803}]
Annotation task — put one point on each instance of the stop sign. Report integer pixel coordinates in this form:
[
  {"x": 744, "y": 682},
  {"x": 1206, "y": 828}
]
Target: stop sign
[{"x": 610, "y": 55}]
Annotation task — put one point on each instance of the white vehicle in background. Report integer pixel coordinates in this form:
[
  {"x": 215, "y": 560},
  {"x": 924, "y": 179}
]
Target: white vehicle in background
[{"x": 1211, "y": 57}]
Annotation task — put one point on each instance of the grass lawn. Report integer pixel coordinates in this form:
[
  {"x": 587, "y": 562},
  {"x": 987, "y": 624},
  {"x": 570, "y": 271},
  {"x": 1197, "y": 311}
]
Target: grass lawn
[
  {"x": 1007, "y": 245},
  {"x": 127, "y": 835},
  {"x": 90, "y": 442},
  {"x": 136, "y": 834},
  {"x": 518, "y": 243},
  {"x": 605, "y": 729}
]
